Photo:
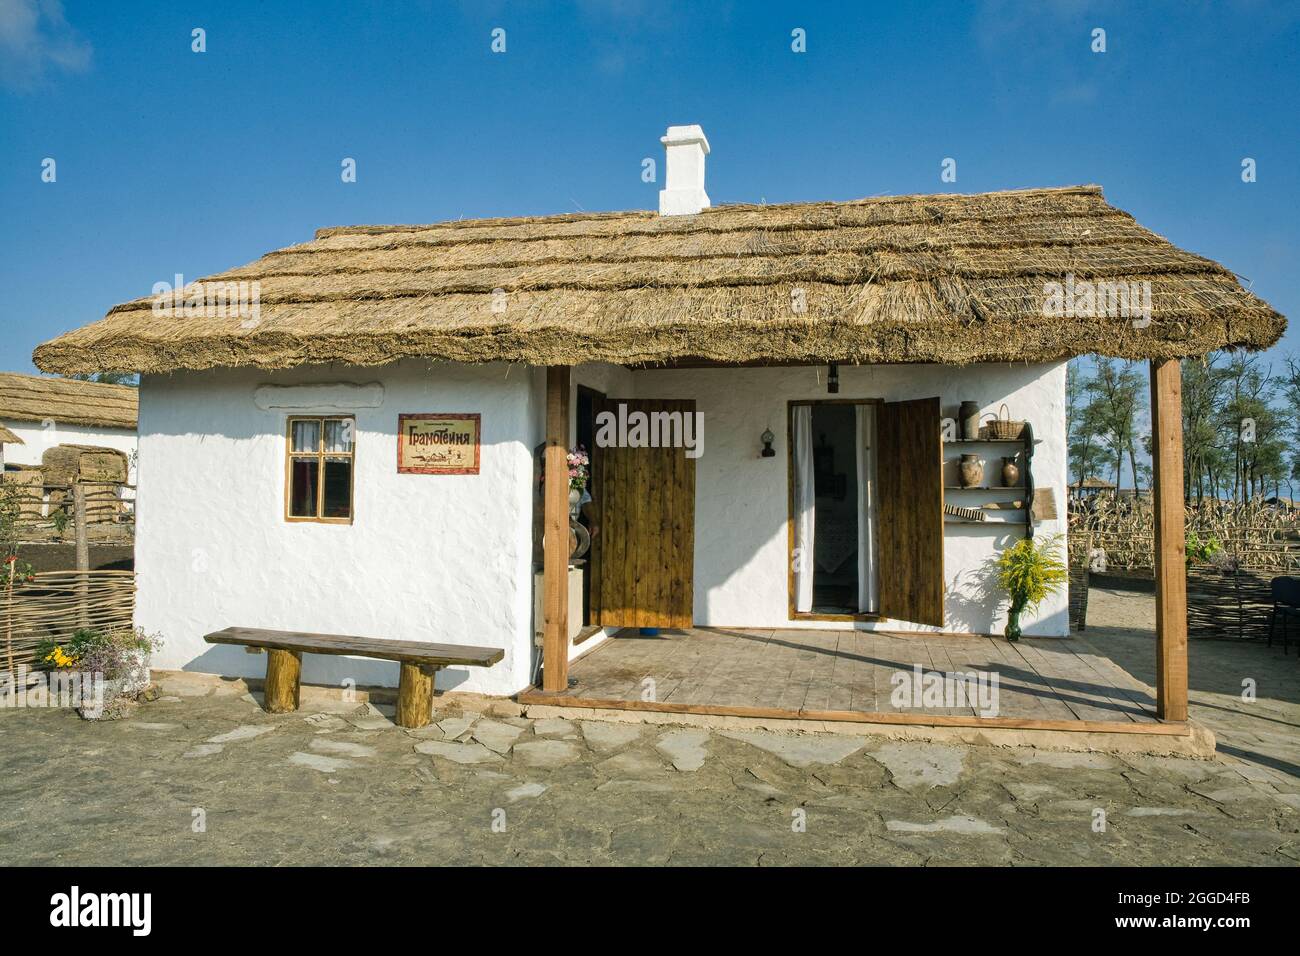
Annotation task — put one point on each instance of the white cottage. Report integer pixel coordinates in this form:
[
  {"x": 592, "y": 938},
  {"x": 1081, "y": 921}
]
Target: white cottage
[
  {"x": 41, "y": 412},
  {"x": 356, "y": 453}
]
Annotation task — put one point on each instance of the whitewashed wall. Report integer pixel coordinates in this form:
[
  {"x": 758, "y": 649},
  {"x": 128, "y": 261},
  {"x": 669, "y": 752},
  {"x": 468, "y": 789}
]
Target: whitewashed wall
[
  {"x": 37, "y": 438},
  {"x": 442, "y": 558},
  {"x": 448, "y": 558},
  {"x": 741, "y": 503}
]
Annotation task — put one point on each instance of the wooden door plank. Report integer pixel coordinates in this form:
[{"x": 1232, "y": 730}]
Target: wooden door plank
[{"x": 909, "y": 518}]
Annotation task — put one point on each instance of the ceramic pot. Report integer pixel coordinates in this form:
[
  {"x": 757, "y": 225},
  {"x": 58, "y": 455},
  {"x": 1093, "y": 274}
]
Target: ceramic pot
[
  {"x": 972, "y": 471},
  {"x": 1010, "y": 473},
  {"x": 969, "y": 417}
]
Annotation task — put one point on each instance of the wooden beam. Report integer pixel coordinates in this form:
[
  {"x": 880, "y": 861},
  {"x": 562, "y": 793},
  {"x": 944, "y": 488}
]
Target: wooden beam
[
  {"x": 1167, "y": 728},
  {"x": 1170, "y": 544},
  {"x": 555, "y": 563}
]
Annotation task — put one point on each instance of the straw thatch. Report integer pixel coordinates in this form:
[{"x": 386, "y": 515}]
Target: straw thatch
[
  {"x": 9, "y": 438},
  {"x": 34, "y": 398},
  {"x": 952, "y": 279}
]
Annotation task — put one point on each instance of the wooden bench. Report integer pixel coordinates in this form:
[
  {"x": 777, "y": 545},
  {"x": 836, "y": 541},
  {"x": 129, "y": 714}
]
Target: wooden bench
[{"x": 419, "y": 663}]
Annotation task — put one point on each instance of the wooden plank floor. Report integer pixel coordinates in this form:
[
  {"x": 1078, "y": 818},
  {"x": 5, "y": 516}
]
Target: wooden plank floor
[{"x": 829, "y": 671}]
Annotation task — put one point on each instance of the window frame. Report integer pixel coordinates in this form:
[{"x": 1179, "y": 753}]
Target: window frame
[{"x": 320, "y": 455}]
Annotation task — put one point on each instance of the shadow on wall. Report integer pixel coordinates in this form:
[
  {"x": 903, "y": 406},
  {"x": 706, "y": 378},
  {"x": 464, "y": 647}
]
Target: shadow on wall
[{"x": 975, "y": 602}]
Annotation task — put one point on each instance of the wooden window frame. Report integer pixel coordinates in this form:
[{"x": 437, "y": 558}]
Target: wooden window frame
[
  {"x": 320, "y": 455},
  {"x": 790, "y": 517}
]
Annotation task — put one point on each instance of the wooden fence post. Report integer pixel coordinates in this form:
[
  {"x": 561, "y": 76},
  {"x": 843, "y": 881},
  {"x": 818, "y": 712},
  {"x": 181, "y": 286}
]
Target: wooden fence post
[
  {"x": 9, "y": 614},
  {"x": 83, "y": 552}
]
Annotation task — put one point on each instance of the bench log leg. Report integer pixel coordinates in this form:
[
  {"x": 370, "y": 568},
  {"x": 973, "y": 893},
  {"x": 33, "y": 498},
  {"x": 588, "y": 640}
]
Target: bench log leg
[
  {"x": 283, "y": 678},
  {"x": 415, "y": 695}
]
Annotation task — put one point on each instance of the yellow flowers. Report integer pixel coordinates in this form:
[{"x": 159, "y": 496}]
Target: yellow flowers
[
  {"x": 1031, "y": 569},
  {"x": 57, "y": 658}
]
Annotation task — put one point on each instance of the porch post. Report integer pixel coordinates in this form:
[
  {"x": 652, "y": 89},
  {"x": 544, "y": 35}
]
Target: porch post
[
  {"x": 1170, "y": 545},
  {"x": 555, "y": 563}
]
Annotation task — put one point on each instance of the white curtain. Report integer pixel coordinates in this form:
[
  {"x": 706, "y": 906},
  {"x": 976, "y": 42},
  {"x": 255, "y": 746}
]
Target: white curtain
[
  {"x": 866, "y": 507},
  {"x": 805, "y": 505}
]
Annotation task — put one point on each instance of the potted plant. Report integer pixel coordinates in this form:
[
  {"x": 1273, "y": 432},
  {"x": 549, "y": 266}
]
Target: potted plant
[
  {"x": 119, "y": 658},
  {"x": 579, "y": 462},
  {"x": 1029, "y": 571}
]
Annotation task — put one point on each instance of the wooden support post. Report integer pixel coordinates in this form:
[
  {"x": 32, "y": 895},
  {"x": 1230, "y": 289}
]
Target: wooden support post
[
  {"x": 1170, "y": 544},
  {"x": 555, "y": 563},
  {"x": 415, "y": 695},
  {"x": 283, "y": 679}
]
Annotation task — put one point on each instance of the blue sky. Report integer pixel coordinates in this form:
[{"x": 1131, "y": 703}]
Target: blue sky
[{"x": 173, "y": 161}]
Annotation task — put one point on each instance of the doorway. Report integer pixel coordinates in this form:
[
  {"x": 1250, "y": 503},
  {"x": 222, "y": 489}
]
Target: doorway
[
  {"x": 585, "y": 433},
  {"x": 643, "y": 569},
  {"x": 833, "y": 536}
]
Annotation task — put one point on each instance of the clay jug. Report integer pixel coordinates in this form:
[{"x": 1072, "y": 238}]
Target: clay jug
[{"x": 1010, "y": 473}]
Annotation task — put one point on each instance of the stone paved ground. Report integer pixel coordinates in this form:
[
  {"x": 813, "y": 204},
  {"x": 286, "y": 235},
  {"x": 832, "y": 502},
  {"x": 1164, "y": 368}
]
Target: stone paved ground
[
  {"x": 1259, "y": 737},
  {"x": 337, "y": 783}
]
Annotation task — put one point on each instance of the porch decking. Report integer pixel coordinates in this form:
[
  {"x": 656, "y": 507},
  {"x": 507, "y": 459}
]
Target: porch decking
[{"x": 1048, "y": 684}]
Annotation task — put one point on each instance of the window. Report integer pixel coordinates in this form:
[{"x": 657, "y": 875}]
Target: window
[{"x": 320, "y": 470}]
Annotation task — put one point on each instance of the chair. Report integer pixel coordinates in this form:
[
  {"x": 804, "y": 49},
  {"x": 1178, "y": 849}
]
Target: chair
[{"x": 1286, "y": 603}]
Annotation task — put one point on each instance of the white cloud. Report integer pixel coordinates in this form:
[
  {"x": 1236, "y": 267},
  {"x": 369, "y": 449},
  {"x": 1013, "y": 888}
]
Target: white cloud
[{"x": 36, "y": 40}]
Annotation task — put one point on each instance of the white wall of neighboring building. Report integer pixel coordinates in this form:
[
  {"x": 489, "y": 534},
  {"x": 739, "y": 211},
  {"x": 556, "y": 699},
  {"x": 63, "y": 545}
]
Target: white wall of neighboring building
[
  {"x": 742, "y": 504},
  {"x": 38, "y": 437},
  {"x": 440, "y": 558}
]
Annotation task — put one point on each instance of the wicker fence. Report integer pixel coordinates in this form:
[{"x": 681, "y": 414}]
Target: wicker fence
[
  {"x": 1235, "y": 551},
  {"x": 47, "y": 513},
  {"x": 1250, "y": 535},
  {"x": 54, "y": 604}
]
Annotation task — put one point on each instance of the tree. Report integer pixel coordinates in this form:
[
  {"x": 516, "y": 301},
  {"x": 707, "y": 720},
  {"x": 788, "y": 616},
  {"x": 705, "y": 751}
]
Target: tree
[
  {"x": 1203, "y": 460},
  {"x": 110, "y": 378},
  {"x": 1250, "y": 427},
  {"x": 1115, "y": 399},
  {"x": 1081, "y": 425}
]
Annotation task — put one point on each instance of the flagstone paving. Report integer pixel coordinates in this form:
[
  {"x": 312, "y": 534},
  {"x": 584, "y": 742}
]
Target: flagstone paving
[{"x": 338, "y": 784}]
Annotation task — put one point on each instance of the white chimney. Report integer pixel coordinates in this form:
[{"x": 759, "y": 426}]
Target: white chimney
[{"x": 684, "y": 193}]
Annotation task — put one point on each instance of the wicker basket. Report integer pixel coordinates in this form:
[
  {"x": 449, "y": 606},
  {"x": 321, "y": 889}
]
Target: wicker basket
[{"x": 1003, "y": 428}]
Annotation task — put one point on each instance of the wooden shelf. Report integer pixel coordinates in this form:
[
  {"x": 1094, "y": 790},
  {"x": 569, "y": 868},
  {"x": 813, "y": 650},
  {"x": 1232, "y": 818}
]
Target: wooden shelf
[{"x": 1017, "y": 520}]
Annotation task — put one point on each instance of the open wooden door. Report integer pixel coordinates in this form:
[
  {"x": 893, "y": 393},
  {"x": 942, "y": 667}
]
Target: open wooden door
[
  {"x": 643, "y": 566},
  {"x": 910, "y": 513}
]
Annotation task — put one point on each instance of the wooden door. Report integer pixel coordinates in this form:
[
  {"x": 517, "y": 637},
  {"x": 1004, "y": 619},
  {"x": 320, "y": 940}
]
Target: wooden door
[
  {"x": 643, "y": 553},
  {"x": 909, "y": 475}
]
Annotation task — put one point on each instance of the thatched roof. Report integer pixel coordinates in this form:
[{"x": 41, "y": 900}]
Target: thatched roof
[
  {"x": 34, "y": 398},
  {"x": 9, "y": 438},
  {"x": 952, "y": 279}
]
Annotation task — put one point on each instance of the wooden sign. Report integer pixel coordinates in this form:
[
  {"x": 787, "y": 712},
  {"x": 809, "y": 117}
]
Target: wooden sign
[{"x": 437, "y": 444}]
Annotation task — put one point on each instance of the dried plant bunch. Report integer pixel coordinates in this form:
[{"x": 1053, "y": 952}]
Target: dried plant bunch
[{"x": 1032, "y": 569}]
